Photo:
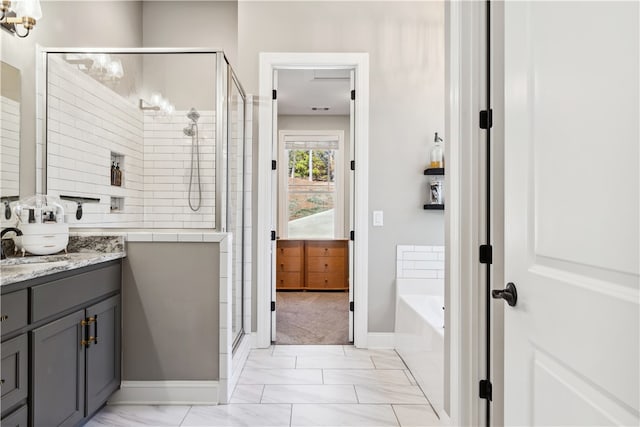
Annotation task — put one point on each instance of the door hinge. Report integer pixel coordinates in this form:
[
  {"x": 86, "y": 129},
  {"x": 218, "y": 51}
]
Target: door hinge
[
  {"x": 352, "y": 235},
  {"x": 351, "y": 306},
  {"x": 273, "y": 306},
  {"x": 353, "y": 95},
  {"x": 485, "y": 390},
  {"x": 486, "y": 119},
  {"x": 353, "y": 165},
  {"x": 273, "y": 234},
  {"x": 486, "y": 254},
  {"x": 274, "y": 94},
  {"x": 274, "y": 165}
]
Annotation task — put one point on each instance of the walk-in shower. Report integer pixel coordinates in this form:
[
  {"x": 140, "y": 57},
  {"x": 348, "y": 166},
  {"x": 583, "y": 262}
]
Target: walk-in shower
[
  {"x": 173, "y": 121},
  {"x": 194, "y": 170}
]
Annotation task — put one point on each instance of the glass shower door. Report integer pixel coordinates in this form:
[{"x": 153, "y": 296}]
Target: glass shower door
[{"x": 235, "y": 201}]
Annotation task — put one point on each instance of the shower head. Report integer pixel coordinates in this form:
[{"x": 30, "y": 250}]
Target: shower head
[
  {"x": 193, "y": 115},
  {"x": 188, "y": 130}
]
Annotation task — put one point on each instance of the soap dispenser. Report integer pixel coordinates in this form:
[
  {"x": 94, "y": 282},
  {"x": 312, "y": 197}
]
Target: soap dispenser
[{"x": 437, "y": 153}]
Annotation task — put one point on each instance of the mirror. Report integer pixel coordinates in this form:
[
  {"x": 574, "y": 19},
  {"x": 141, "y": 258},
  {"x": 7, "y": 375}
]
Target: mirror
[{"x": 10, "y": 86}]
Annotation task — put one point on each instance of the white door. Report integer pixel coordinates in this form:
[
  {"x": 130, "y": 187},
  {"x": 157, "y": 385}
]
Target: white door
[
  {"x": 274, "y": 203},
  {"x": 571, "y": 213}
]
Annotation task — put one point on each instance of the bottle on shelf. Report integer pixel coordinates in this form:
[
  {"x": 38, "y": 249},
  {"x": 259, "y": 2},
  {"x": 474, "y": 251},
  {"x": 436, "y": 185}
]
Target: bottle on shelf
[
  {"x": 437, "y": 153},
  {"x": 118, "y": 175},
  {"x": 113, "y": 173}
]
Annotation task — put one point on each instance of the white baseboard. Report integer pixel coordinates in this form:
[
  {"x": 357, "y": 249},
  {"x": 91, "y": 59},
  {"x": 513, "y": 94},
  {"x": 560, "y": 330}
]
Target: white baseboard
[
  {"x": 381, "y": 340},
  {"x": 254, "y": 340},
  {"x": 166, "y": 393}
]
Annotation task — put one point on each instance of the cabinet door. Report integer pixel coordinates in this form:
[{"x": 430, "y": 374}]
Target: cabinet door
[
  {"x": 103, "y": 355},
  {"x": 58, "y": 372},
  {"x": 19, "y": 418},
  {"x": 14, "y": 372}
]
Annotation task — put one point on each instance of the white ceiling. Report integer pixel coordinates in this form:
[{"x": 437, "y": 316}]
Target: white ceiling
[{"x": 300, "y": 90}]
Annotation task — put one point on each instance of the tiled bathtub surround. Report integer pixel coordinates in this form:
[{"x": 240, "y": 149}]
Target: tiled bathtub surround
[
  {"x": 88, "y": 122},
  {"x": 420, "y": 262}
]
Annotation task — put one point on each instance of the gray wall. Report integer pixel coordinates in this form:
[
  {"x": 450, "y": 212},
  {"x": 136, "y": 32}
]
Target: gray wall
[
  {"x": 210, "y": 24},
  {"x": 405, "y": 42},
  {"x": 68, "y": 24},
  {"x": 170, "y": 311}
]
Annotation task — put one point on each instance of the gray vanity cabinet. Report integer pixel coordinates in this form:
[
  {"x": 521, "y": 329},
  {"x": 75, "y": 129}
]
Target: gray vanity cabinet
[
  {"x": 58, "y": 372},
  {"x": 76, "y": 358},
  {"x": 19, "y": 418},
  {"x": 60, "y": 346},
  {"x": 103, "y": 354}
]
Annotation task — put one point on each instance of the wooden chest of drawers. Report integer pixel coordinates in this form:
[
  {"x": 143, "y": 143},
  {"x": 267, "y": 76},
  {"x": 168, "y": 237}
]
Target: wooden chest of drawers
[
  {"x": 312, "y": 264},
  {"x": 290, "y": 264}
]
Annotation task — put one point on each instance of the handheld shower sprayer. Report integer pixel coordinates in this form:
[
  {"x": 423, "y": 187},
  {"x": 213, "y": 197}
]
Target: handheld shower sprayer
[{"x": 192, "y": 131}]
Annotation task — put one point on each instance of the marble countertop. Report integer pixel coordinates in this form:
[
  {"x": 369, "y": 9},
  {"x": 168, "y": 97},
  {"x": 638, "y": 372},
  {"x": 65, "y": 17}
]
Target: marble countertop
[{"x": 82, "y": 252}]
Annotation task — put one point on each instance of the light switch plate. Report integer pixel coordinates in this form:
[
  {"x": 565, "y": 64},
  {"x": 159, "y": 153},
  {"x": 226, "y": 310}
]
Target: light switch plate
[{"x": 378, "y": 218}]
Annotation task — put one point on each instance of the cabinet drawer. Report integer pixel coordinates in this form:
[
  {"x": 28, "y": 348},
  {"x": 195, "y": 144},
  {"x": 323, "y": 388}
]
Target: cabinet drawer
[
  {"x": 336, "y": 248},
  {"x": 326, "y": 265},
  {"x": 14, "y": 372},
  {"x": 290, "y": 264},
  {"x": 14, "y": 311},
  {"x": 290, "y": 248},
  {"x": 57, "y": 296},
  {"x": 19, "y": 418},
  {"x": 289, "y": 280},
  {"x": 329, "y": 281}
]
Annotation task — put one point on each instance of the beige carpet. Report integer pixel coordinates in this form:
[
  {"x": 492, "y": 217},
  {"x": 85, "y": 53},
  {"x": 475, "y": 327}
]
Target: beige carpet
[{"x": 312, "y": 317}]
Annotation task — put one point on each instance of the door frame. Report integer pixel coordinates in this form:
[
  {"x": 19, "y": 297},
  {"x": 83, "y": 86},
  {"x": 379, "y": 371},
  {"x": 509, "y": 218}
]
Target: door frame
[
  {"x": 465, "y": 29},
  {"x": 270, "y": 61},
  {"x": 339, "y": 209}
]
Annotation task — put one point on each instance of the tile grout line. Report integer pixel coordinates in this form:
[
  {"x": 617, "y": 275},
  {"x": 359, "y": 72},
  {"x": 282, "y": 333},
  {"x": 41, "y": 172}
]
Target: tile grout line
[
  {"x": 264, "y": 386},
  {"x": 185, "y": 415},
  {"x": 291, "y": 415},
  {"x": 395, "y": 414}
]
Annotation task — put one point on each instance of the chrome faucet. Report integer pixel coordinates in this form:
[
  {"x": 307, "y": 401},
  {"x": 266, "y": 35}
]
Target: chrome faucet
[{"x": 2, "y": 233}]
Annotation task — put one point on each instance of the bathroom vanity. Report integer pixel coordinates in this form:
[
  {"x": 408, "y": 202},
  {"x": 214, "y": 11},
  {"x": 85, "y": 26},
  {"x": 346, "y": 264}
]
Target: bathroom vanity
[{"x": 60, "y": 339}]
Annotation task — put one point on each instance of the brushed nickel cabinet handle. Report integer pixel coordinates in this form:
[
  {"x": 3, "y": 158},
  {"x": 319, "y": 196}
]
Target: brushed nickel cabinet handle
[{"x": 4, "y": 317}]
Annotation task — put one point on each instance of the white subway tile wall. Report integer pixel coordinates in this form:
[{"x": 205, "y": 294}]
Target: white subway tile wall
[
  {"x": 88, "y": 123},
  {"x": 9, "y": 147},
  {"x": 420, "y": 262},
  {"x": 167, "y": 171}
]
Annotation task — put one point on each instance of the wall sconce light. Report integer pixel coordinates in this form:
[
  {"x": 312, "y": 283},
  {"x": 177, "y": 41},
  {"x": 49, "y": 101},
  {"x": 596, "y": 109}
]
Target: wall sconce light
[
  {"x": 99, "y": 65},
  {"x": 18, "y": 13},
  {"x": 157, "y": 103}
]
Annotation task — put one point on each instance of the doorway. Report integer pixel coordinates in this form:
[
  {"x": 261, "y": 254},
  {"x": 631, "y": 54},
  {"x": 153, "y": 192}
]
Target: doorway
[
  {"x": 268, "y": 228},
  {"x": 312, "y": 196}
]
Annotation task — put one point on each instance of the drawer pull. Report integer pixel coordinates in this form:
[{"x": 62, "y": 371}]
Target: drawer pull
[
  {"x": 4, "y": 317},
  {"x": 86, "y": 343},
  {"x": 87, "y": 322},
  {"x": 1, "y": 382}
]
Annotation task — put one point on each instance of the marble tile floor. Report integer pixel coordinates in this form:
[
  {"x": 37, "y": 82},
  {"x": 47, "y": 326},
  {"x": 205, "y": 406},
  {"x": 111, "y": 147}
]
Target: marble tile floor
[{"x": 302, "y": 385}]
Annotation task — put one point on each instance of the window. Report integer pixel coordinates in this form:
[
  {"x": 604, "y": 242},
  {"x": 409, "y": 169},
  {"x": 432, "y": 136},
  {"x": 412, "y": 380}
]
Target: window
[{"x": 310, "y": 183}]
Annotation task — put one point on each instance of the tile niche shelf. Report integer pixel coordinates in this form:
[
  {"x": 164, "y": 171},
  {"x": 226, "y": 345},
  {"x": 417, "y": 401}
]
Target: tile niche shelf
[{"x": 431, "y": 172}]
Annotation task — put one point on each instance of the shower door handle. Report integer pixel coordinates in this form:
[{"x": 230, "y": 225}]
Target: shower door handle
[{"x": 509, "y": 294}]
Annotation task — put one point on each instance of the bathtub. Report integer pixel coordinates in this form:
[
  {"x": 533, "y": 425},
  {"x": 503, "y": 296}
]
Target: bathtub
[{"x": 420, "y": 334}]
